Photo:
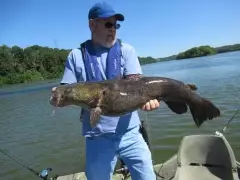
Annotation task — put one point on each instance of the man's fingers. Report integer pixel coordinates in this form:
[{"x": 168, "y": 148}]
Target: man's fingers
[
  {"x": 147, "y": 106},
  {"x": 156, "y": 103},
  {"x": 152, "y": 104}
]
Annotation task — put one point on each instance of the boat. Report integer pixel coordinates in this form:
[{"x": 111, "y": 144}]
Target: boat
[{"x": 199, "y": 157}]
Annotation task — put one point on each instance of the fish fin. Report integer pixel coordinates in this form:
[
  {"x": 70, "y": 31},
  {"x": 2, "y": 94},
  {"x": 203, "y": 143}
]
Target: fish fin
[
  {"x": 191, "y": 86},
  {"x": 95, "y": 115},
  {"x": 177, "y": 107},
  {"x": 205, "y": 110}
]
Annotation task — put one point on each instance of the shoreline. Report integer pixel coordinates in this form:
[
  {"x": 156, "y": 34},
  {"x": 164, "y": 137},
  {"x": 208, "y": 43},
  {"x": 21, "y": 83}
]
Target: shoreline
[{"x": 38, "y": 77}]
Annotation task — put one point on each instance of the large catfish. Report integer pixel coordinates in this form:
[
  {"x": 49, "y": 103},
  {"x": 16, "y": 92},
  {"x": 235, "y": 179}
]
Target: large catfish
[{"x": 121, "y": 96}]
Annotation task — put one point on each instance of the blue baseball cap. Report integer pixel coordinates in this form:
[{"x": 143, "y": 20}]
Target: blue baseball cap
[{"x": 103, "y": 10}]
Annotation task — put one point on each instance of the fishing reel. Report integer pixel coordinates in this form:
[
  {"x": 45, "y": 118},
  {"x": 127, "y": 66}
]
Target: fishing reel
[{"x": 44, "y": 173}]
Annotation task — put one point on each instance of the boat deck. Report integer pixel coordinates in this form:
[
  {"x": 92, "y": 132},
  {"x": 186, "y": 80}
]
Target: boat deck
[{"x": 164, "y": 171}]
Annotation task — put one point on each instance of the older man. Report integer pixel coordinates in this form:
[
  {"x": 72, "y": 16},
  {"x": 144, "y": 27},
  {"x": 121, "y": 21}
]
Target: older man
[{"x": 105, "y": 57}]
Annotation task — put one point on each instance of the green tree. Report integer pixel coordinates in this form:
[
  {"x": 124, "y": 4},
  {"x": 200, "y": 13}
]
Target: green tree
[
  {"x": 197, "y": 52},
  {"x": 34, "y": 63}
]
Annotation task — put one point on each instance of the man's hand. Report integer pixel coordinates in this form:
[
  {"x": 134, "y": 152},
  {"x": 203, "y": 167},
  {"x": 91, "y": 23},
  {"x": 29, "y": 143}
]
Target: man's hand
[{"x": 151, "y": 105}]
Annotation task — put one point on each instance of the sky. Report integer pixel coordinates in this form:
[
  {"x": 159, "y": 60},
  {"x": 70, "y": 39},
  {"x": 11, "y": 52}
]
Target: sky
[{"x": 156, "y": 28}]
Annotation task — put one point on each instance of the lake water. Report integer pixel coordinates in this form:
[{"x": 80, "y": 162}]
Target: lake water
[{"x": 29, "y": 133}]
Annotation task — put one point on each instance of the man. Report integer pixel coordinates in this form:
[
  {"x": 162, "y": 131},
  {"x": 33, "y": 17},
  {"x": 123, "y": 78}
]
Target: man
[{"x": 104, "y": 57}]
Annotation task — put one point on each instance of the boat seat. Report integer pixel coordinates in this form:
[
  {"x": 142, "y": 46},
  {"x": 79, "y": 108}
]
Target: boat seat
[{"x": 205, "y": 157}]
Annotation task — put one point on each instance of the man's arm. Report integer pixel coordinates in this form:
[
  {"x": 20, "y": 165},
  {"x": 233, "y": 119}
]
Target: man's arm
[
  {"x": 69, "y": 75},
  {"x": 133, "y": 70}
]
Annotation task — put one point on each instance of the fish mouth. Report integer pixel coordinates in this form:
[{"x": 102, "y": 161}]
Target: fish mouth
[{"x": 60, "y": 97}]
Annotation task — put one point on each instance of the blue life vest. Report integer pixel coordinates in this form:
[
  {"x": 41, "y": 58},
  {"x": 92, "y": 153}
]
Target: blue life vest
[
  {"x": 93, "y": 73},
  {"x": 113, "y": 67}
]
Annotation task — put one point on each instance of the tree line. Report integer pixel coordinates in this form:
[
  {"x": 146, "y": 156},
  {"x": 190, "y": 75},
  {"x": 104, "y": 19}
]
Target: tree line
[
  {"x": 206, "y": 51},
  {"x": 35, "y": 63},
  {"x": 197, "y": 52}
]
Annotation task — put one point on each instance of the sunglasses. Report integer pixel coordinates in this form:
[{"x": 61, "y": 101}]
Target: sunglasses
[{"x": 109, "y": 25}]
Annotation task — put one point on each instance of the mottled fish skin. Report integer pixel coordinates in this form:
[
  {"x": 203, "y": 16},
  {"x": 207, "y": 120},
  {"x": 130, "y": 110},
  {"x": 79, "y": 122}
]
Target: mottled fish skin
[{"x": 121, "y": 96}]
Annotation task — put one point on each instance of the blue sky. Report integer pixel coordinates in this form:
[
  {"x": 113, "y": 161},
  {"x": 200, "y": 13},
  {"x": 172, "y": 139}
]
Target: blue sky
[{"x": 155, "y": 28}]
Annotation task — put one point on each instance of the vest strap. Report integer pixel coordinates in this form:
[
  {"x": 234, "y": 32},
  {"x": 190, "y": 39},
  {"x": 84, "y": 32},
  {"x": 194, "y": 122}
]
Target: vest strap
[{"x": 82, "y": 47}]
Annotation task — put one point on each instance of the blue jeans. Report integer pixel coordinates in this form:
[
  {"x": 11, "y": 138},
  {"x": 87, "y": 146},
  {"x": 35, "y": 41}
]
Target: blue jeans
[{"x": 102, "y": 152}]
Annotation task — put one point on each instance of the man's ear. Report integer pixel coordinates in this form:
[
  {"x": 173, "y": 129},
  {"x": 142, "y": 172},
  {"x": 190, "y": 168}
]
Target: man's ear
[{"x": 90, "y": 24}]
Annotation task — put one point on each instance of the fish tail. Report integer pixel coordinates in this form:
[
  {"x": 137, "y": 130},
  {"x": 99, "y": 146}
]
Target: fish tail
[{"x": 203, "y": 110}]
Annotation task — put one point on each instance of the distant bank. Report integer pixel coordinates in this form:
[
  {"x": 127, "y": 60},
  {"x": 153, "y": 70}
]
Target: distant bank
[
  {"x": 193, "y": 52},
  {"x": 36, "y": 63}
]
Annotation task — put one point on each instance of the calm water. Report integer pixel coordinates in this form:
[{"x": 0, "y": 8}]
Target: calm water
[{"x": 29, "y": 132}]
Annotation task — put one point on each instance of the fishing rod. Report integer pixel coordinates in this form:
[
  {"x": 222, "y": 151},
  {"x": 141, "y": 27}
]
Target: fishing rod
[
  {"x": 43, "y": 174},
  {"x": 228, "y": 122}
]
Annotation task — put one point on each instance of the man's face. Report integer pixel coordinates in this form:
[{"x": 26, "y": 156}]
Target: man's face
[{"x": 104, "y": 31}]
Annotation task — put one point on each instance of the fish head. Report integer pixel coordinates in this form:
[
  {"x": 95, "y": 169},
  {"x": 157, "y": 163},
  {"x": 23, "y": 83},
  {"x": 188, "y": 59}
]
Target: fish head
[
  {"x": 64, "y": 94},
  {"x": 77, "y": 94}
]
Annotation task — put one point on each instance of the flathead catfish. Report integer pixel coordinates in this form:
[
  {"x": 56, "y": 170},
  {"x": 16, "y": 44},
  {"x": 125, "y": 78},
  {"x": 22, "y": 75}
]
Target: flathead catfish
[{"x": 121, "y": 96}]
